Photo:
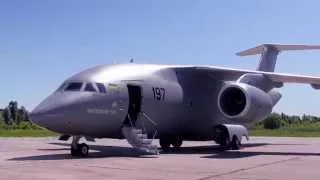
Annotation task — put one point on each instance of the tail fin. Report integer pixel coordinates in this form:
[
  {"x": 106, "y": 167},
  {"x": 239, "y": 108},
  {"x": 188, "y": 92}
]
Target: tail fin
[{"x": 269, "y": 53}]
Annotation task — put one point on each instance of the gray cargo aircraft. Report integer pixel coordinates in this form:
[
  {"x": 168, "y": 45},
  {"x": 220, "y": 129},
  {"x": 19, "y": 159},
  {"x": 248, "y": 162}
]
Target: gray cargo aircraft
[{"x": 142, "y": 102}]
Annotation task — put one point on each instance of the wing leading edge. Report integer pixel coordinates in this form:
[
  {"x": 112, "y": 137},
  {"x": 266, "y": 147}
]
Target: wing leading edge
[
  {"x": 229, "y": 74},
  {"x": 269, "y": 53}
]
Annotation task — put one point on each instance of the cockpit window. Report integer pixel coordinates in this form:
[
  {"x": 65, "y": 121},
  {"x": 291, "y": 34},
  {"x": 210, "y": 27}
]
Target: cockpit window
[
  {"x": 74, "y": 86},
  {"x": 61, "y": 87},
  {"x": 101, "y": 88},
  {"x": 89, "y": 87}
]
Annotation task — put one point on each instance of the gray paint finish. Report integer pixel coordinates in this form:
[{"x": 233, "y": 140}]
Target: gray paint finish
[{"x": 188, "y": 107}]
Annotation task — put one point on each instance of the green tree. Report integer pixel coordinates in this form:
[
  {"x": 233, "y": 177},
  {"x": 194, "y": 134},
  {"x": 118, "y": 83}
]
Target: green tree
[
  {"x": 7, "y": 116},
  {"x": 13, "y": 107},
  {"x": 22, "y": 114},
  {"x": 273, "y": 122}
]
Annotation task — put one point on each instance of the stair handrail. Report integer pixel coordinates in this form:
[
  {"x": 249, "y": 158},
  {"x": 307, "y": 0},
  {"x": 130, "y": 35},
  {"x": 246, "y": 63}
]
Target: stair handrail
[{"x": 148, "y": 118}]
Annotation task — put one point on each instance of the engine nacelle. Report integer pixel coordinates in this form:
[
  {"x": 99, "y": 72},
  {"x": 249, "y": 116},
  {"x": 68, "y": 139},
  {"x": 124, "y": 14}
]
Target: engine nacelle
[{"x": 244, "y": 102}]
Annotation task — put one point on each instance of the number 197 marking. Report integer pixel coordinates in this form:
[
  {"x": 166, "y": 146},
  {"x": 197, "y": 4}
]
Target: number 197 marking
[{"x": 159, "y": 93}]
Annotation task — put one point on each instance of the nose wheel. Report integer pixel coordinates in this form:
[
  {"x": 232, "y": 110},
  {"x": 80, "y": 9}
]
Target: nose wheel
[
  {"x": 82, "y": 150},
  {"x": 79, "y": 150}
]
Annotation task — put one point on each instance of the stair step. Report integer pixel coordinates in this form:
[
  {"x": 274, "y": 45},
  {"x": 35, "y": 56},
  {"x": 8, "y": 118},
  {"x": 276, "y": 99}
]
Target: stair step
[
  {"x": 152, "y": 146},
  {"x": 146, "y": 141},
  {"x": 142, "y": 136},
  {"x": 139, "y": 140},
  {"x": 150, "y": 150},
  {"x": 137, "y": 131}
]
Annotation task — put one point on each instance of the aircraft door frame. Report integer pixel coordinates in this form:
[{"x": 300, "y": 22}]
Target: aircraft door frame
[{"x": 135, "y": 101}]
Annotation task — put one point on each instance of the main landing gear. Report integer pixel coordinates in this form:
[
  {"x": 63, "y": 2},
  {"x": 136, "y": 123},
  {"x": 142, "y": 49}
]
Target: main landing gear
[
  {"x": 226, "y": 144},
  {"x": 167, "y": 141},
  {"x": 228, "y": 136},
  {"x": 79, "y": 150}
]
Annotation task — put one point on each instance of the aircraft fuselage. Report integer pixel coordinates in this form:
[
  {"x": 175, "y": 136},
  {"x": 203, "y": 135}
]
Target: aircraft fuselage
[{"x": 174, "y": 101}]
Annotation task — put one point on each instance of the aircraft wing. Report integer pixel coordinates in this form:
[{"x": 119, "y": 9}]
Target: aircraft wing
[{"x": 229, "y": 74}]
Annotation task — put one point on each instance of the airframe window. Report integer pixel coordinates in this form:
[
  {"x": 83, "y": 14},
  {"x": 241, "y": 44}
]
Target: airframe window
[
  {"x": 74, "y": 86},
  {"x": 101, "y": 88},
  {"x": 89, "y": 87}
]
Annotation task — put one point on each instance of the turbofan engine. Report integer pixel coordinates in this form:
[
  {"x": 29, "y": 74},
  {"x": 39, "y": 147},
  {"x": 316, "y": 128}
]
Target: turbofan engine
[{"x": 245, "y": 102}]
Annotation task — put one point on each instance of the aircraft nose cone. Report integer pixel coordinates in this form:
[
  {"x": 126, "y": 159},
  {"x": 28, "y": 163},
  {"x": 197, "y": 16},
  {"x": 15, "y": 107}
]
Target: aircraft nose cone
[
  {"x": 48, "y": 111},
  {"x": 57, "y": 110},
  {"x": 44, "y": 116},
  {"x": 37, "y": 118}
]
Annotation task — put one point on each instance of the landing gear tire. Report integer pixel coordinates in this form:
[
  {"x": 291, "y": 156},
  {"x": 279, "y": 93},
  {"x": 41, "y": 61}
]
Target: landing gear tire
[
  {"x": 225, "y": 144},
  {"x": 235, "y": 143},
  {"x": 165, "y": 143},
  {"x": 74, "y": 152},
  {"x": 81, "y": 150},
  {"x": 177, "y": 142}
]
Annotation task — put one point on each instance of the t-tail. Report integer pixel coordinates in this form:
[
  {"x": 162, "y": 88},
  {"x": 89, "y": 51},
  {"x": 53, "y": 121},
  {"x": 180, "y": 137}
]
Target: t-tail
[{"x": 270, "y": 52}]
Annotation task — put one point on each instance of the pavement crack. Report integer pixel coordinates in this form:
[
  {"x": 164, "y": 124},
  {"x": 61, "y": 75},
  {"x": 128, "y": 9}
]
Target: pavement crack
[{"x": 248, "y": 168}]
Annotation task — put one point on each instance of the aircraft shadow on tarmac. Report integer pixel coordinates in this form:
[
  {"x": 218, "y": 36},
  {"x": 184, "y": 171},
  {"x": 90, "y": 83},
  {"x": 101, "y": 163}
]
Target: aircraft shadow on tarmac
[
  {"x": 211, "y": 151},
  {"x": 245, "y": 154},
  {"x": 97, "y": 152}
]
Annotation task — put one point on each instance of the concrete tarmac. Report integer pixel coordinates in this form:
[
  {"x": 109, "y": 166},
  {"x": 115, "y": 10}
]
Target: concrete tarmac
[{"x": 260, "y": 158}]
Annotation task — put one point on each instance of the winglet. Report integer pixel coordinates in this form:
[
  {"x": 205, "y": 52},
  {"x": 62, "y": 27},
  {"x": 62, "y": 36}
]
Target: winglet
[{"x": 269, "y": 53}]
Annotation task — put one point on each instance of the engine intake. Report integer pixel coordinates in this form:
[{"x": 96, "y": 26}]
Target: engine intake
[
  {"x": 244, "y": 102},
  {"x": 233, "y": 101}
]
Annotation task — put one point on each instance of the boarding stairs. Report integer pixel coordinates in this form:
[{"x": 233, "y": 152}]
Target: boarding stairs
[{"x": 138, "y": 138}]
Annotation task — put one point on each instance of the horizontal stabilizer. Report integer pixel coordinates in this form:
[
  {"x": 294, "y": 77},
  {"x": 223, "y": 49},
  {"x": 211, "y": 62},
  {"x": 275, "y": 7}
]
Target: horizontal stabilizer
[
  {"x": 270, "y": 52},
  {"x": 262, "y": 48}
]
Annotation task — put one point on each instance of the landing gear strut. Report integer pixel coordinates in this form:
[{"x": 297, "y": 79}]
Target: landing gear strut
[{"x": 79, "y": 150}]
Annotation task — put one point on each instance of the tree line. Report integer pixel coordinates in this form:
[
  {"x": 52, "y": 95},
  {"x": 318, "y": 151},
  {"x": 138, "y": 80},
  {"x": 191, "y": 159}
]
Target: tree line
[
  {"x": 279, "y": 120},
  {"x": 13, "y": 114}
]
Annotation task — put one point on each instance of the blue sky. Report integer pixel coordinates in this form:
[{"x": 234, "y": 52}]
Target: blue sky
[{"x": 43, "y": 42}]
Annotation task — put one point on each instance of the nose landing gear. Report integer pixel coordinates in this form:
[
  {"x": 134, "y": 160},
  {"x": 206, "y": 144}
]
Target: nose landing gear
[{"x": 78, "y": 150}]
